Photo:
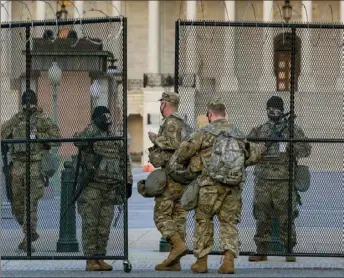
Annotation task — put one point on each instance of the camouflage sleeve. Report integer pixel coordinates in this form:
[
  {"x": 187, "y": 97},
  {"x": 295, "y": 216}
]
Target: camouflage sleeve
[
  {"x": 129, "y": 171},
  {"x": 88, "y": 132},
  {"x": 253, "y": 133},
  {"x": 301, "y": 149},
  {"x": 254, "y": 154},
  {"x": 47, "y": 129},
  {"x": 6, "y": 128},
  {"x": 188, "y": 148},
  {"x": 171, "y": 136}
]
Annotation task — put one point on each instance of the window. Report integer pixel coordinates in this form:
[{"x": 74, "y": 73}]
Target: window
[{"x": 283, "y": 71}]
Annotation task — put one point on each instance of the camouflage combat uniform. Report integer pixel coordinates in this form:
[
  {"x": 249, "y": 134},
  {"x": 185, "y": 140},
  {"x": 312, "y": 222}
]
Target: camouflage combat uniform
[
  {"x": 169, "y": 217},
  {"x": 97, "y": 200},
  {"x": 214, "y": 198},
  {"x": 15, "y": 128},
  {"x": 272, "y": 185}
]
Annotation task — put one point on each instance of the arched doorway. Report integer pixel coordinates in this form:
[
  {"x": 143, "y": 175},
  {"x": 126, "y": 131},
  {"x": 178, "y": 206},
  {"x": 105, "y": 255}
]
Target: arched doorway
[{"x": 135, "y": 129}]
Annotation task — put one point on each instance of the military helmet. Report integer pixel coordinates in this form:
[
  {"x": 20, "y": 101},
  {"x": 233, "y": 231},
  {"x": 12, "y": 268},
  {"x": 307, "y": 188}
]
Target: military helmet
[
  {"x": 156, "y": 182},
  {"x": 29, "y": 98}
]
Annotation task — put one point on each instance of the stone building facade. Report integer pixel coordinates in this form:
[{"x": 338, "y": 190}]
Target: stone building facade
[{"x": 151, "y": 60}]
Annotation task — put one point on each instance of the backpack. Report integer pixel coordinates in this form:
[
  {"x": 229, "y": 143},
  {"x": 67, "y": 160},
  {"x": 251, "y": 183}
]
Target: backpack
[
  {"x": 227, "y": 160},
  {"x": 186, "y": 128},
  {"x": 186, "y": 131},
  {"x": 109, "y": 162}
]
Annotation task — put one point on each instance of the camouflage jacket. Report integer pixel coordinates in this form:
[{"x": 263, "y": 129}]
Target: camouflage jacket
[
  {"x": 275, "y": 162},
  {"x": 88, "y": 155},
  {"x": 169, "y": 136},
  {"x": 41, "y": 127},
  {"x": 200, "y": 144}
]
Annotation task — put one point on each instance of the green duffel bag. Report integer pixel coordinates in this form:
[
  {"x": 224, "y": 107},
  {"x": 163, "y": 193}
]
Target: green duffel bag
[
  {"x": 190, "y": 196},
  {"x": 155, "y": 183},
  {"x": 178, "y": 172},
  {"x": 302, "y": 178}
]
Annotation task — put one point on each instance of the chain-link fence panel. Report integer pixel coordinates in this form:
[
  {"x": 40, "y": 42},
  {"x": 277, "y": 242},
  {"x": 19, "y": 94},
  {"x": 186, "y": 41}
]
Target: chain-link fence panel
[
  {"x": 72, "y": 67},
  {"x": 246, "y": 63}
]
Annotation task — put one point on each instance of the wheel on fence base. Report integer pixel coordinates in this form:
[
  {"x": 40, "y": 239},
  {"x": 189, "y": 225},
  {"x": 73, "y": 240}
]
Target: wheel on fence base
[{"x": 127, "y": 266}]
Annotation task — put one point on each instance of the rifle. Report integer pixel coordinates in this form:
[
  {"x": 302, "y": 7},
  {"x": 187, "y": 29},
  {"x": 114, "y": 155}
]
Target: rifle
[
  {"x": 7, "y": 170},
  {"x": 282, "y": 128}
]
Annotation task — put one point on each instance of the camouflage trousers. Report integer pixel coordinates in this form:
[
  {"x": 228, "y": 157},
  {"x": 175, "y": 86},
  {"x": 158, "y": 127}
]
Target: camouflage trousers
[
  {"x": 96, "y": 207},
  {"x": 19, "y": 192},
  {"x": 169, "y": 216},
  {"x": 271, "y": 200},
  {"x": 226, "y": 204}
]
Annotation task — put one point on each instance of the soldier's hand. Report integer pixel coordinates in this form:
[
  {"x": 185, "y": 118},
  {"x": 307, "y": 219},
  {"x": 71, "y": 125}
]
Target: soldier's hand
[
  {"x": 129, "y": 190},
  {"x": 151, "y": 135},
  {"x": 263, "y": 148}
]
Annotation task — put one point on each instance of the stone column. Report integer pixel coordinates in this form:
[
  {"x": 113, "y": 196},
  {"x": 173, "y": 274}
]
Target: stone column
[
  {"x": 153, "y": 85},
  {"x": 40, "y": 15},
  {"x": 116, "y": 8},
  {"x": 306, "y": 78},
  {"x": 79, "y": 9},
  {"x": 228, "y": 81},
  {"x": 189, "y": 77},
  {"x": 340, "y": 79},
  {"x": 153, "y": 37},
  {"x": 267, "y": 80},
  {"x": 40, "y": 10},
  {"x": 8, "y": 97}
]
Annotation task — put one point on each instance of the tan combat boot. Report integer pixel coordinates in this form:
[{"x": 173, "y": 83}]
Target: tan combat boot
[
  {"x": 260, "y": 249},
  {"x": 201, "y": 265},
  {"x": 163, "y": 266},
  {"x": 179, "y": 250},
  {"x": 290, "y": 259},
  {"x": 227, "y": 266},
  {"x": 256, "y": 258},
  {"x": 92, "y": 265},
  {"x": 104, "y": 266}
]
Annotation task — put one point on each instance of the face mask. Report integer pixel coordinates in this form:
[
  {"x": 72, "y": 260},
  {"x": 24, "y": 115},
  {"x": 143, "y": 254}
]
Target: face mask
[
  {"x": 208, "y": 116},
  {"x": 274, "y": 114},
  {"x": 30, "y": 108},
  {"x": 103, "y": 121},
  {"x": 162, "y": 108}
]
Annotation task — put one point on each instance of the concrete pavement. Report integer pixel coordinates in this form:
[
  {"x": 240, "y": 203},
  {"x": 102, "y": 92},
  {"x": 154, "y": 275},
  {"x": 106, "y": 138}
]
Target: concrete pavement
[
  {"x": 143, "y": 255},
  {"x": 319, "y": 230}
]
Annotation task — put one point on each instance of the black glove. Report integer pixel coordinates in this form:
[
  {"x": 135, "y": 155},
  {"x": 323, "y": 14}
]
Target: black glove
[{"x": 129, "y": 190}]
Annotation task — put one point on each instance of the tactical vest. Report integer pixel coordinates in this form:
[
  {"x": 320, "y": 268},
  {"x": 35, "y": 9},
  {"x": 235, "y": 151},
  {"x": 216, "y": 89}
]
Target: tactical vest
[
  {"x": 110, "y": 162},
  {"x": 18, "y": 150}
]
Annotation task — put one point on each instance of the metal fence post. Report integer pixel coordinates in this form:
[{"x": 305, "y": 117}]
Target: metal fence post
[{"x": 67, "y": 236}]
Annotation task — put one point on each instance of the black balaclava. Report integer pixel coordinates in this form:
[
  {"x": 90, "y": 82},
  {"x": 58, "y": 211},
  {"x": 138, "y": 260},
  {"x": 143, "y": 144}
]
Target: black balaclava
[
  {"x": 29, "y": 101},
  {"x": 102, "y": 118},
  {"x": 275, "y": 108}
]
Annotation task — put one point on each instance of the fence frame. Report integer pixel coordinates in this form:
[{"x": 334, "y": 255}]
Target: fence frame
[
  {"x": 28, "y": 141},
  {"x": 291, "y": 139}
]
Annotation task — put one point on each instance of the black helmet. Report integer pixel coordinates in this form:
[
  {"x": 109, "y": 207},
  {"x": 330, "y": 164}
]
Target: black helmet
[
  {"x": 29, "y": 98},
  {"x": 275, "y": 102}
]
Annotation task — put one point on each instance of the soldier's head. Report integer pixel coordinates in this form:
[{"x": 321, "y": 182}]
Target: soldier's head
[
  {"x": 216, "y": 109},
  {"x": 168, "y": 103},
  {"x": 29, "y": 101},
  {"x": 102, "y": 118},
  {"x": 275, "y": 108}
]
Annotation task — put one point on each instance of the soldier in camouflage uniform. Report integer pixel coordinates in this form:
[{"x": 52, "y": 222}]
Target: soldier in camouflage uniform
[
  {"x": 102, "y": 162},
  {"x": 272, "y": 180},
  {"x": 15, "y": 128},
  {"x": 214, "y": 198},
  {"x": 169, "y": 217}
]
